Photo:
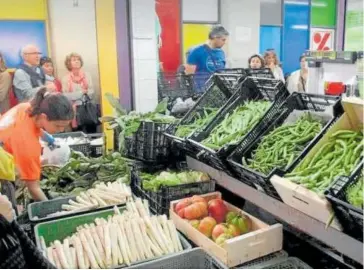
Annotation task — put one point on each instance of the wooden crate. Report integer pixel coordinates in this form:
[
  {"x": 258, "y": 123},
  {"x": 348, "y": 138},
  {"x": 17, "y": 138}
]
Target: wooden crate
[
  {"x": 262, "y": 240},
  {"x": 305, "y": 200}
]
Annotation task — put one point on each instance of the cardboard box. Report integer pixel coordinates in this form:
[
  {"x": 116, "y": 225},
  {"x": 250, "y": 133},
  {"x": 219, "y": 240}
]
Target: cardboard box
[
  {"x": 305, "y": 200},
  {"x": 261, "y": 241}
]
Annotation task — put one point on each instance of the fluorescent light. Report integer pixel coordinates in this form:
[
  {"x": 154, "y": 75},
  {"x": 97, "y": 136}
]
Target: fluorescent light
[
  {"x": 300, "y": 26},
  {"x": 297, "y": 3}
]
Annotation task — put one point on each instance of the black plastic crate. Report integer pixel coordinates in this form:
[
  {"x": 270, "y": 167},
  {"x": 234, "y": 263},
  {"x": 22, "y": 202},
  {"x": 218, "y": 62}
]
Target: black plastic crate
[
  {"x": 148, "y": 144},
  {"x": 297, "y": 101},
  {"x": 96, "y": 150},
  {"x": 349, "y": 216},
  {"x": 81, "y": 147},
  {"x": 217, "y": 94},
  {"x": 159, "y": 202},
  {"x": 173, "y": 85},
  {"x": 251, "y": 89},
  {"x": 260, "y": 73}
]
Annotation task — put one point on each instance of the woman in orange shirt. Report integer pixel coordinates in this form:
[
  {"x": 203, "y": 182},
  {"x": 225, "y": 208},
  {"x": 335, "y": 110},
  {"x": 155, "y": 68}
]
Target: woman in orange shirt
[{"x": 21, "y": 128}]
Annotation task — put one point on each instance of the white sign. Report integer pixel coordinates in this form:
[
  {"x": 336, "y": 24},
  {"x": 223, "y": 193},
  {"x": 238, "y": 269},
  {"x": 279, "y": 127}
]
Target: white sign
[
  {"x": 322, "y": 39},
  {"x": 243, "y": 34}
]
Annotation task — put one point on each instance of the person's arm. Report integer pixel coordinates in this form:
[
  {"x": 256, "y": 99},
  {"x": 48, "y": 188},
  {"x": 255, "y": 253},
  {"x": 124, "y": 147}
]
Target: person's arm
[
  {"x": 281, "y": 74},
  {"x": 292, "y": 82},
  {"x": 22, "y": 83},
  {"x": 5, "y": 82},
  {"x": 35, "y": 191},
  {"x": 192, "y": 61}
]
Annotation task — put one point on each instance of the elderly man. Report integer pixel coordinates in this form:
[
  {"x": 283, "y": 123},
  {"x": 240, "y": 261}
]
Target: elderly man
[
  {"x": 206, "y": 59},
  {"x": 29, "y": 77}
]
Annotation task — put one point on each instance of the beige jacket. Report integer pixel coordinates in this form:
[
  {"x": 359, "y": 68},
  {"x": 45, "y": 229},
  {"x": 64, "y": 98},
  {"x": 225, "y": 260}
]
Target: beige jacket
[{"x": 5, "y": 84}]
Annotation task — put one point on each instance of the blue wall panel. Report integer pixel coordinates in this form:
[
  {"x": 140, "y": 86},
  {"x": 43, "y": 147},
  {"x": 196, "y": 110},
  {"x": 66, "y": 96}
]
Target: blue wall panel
[
  {"x": 295, "y": 33},
  {"x": 16, "y": 34},
  {"x": 270, "y": 38}
]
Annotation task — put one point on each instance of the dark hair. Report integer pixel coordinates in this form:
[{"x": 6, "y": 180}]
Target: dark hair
[
  {"x": 55, "y": 105},
  {"x": 302, "y": 56},
  {"x": 256, "y": 56},
  {"x": 217, "y": 31},
  {"x": 44, "y": 60}
]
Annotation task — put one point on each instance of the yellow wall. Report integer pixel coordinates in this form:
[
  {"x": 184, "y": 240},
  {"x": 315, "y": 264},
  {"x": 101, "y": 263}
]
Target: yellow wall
[
  {"x": 23, "y": 9},
  {"x": 107, "y": 52},
  {"x": 194, "y": 34}
]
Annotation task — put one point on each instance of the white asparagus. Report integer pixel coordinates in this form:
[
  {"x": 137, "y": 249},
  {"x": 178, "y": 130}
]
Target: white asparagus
[
  {"x": 96, "y": 197},
  {"x": 98, "y": 242},
  {"x": 100, "y": 232},
  {"x": 67, "y": 252},
  {"x": 86, "y": 258},
  {"x": 108, "y": 259},
  {"x": 127, "y": 249},
  {"x": 145, "y": 237},
  {"x": 139, "y": 237},
  {"x": 113, "y": 191},
  {"x": 86, "y": 197},
  {"x": 94, "y": 249},
  {"x": 163, "y": 222},
  {"x": 174, "y": 233},
  {"x": 161, "y": 235},
  {"x": 57, "y": 262},
  {"x": 153, "y": 233},
  {"x": 80, "y": 200},
  {"x": 116, "y": 210},
  {"x": 114, "y": 244},
  {"x": 50, "y": 256},
  {"x": 61, "y": 255},
  {"x": 76, "y": 204},
  {"x": 132, "y": 242},
  {"x": 69, "y": 207},
  {"x": 138, "y": 241},
  {"x": 121, "y": 244},
  {"x": 73, "y": 258},
  {"x": 140, "y": 207},
  {"x": 108, "y": 196},
  {"x": 154, "y": 246},
  {"x": 79, "y": 252},
  {"x": 135, "y": 210}
]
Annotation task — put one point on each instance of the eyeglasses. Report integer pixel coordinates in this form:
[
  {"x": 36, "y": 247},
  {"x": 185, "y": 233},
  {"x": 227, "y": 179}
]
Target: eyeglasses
[{"x": 34, "y": 53}]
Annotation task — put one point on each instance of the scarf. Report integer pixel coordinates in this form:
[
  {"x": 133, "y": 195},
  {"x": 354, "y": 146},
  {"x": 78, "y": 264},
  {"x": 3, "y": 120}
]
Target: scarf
[{"x": 80, "y": 79}]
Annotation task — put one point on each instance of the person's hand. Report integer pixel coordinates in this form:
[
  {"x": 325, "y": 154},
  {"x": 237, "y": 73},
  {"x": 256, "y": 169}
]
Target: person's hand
[
  {"x": 6, "y": 209},
  {"x": 51, "y": 87},
  {"x": 271, "y": 65}
]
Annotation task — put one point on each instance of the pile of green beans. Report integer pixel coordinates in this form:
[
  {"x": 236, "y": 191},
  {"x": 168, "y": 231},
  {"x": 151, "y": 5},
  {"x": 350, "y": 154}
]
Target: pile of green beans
[
  {"x": 337, "y": 157},
  {"x": 200, "y": 121},
  {"x": 236, "y": 124},
  {"x": 281, "y": 147},
  {"x": 354, "y": 194}
]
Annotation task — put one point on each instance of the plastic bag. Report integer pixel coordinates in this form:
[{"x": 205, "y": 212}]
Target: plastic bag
[
  {"x": 7, "y": 166},
  {"x": 87, "y": 114},
  {"x": 58, "y": 156}
]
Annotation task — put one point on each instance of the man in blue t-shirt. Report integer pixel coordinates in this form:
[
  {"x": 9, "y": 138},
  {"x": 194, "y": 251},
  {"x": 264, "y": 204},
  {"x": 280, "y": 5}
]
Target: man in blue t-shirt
[{"x": 208, "y": 58}]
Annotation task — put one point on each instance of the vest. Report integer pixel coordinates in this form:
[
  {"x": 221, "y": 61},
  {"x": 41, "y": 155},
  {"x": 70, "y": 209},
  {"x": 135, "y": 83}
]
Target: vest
[{"x": 36, "y": 80}]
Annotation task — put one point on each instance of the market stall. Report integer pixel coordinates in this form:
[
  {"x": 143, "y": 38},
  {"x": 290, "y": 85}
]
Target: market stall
[{"x": 159, "y": 200}]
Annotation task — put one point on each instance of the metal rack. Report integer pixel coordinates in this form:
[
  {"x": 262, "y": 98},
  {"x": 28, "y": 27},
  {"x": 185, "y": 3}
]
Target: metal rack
[{"x": 343, "y": 243}]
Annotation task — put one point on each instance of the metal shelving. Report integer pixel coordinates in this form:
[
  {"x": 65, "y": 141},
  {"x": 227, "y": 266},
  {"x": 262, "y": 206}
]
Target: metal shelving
[{"x": 343, "y": 243}]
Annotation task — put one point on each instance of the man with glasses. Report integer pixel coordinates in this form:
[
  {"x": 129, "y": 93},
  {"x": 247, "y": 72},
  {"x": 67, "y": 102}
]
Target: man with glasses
[{"x": 29, "y": 77}]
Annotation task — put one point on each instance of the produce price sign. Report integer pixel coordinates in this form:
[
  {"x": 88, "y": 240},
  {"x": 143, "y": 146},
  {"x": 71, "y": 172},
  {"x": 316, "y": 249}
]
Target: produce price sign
[{"x": 322, "y": 39}]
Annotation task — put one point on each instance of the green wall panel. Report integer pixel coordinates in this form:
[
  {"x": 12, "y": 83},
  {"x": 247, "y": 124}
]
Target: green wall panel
[{"x": 323, "y": 13}]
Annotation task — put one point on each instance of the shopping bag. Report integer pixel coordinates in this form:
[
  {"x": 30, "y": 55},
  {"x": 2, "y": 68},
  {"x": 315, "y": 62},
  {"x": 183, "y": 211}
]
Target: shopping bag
[
  {"x": 7, "y": 166},
  {"x": 87, "y": 113}
]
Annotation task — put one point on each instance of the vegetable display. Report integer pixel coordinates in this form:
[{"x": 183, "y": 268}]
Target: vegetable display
[
  {"x": 102, "y": 195},
  {"x": 337, "y": 157},
  {"x": 130, "y": 122},
  {"x": 153, "y": 182},
  {"x": 354, "y": 193},
  {"x": 236, "y": 125},
  {"x": 201, "y": 120},
  {"x": 279, "y": 148},
  {"x": 81, "y": 172},
  {"x": 212, "y": 218},
  {"x": 125, "y": 238}
]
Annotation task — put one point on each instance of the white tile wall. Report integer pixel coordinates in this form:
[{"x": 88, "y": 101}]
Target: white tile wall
[
  {"x": 144, "y": 54},
  {"x": 243, "y": 14}
]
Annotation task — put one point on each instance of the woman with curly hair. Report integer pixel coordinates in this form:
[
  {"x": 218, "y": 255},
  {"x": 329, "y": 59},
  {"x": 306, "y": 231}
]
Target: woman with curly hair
[{"x": 272, "y": 62}]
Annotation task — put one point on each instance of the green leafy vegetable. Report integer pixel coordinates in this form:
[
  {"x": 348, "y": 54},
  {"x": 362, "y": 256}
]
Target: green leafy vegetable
[{"x": 354, "y": 194}]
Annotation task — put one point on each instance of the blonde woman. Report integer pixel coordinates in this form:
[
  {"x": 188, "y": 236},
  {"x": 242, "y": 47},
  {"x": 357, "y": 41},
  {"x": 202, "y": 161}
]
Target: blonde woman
[
  {"x": 5, "y": 84},
  {"x": 272, "y": 62}
]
